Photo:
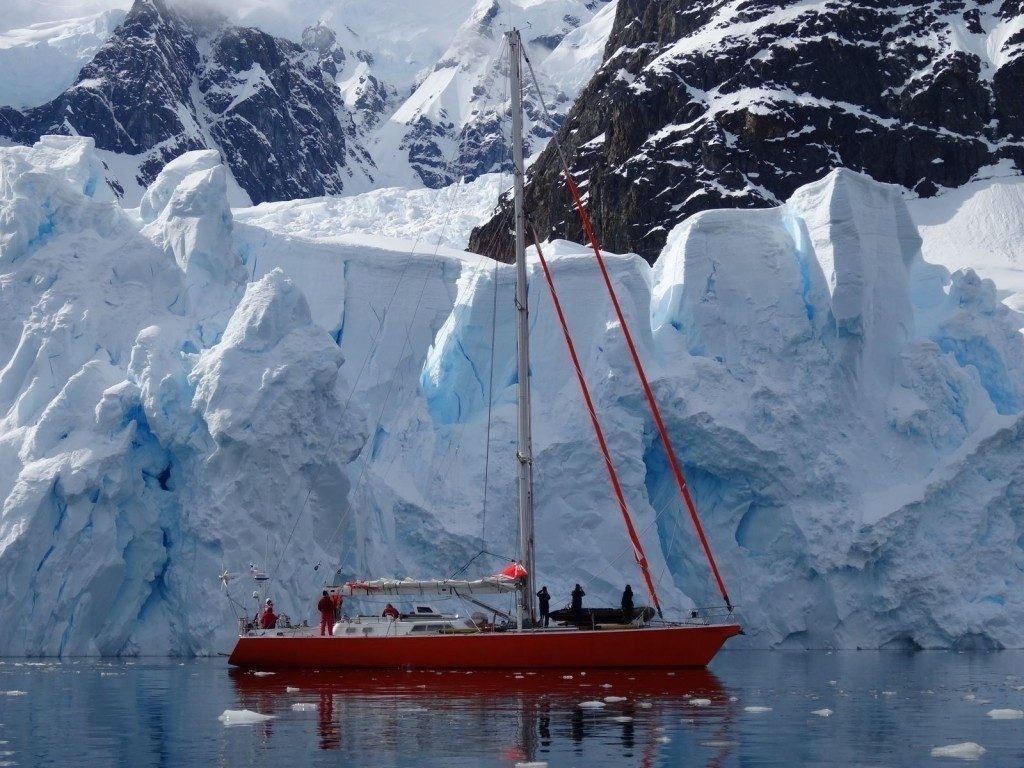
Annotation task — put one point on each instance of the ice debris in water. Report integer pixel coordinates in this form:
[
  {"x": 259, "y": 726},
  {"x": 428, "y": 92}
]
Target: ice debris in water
[
  {"x": 614, "y": 699},
  {"x": 623, "y": 719},
  {"x": 242, "y": 717},
  {"x": 304, "y": 706},
  {"x": 16, "y": 693},
  {"x": 967, "y": 750},
  {"x": 262, "y": 674},
  {"x": 591, "y": 704},
  {"x": 291, "y": 689},
  {"x": 757, "y": 709},
  {"x": 1006, "y": 714},
  {"x": 537, "y": 764},
  {"x": 822, "y": 712},
  {"x": 700, "y": 702}
]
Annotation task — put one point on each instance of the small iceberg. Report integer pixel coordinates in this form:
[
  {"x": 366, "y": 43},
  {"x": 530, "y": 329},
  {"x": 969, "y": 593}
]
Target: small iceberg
[
  {"x": 623, "y": 719},
  {"x": 757, "y": 709},
  {"x": 1006, "y": 714},
  {"x": 822, "y": 712},
  {"x": 614, "y": 699},
  {"x": 304, "y": 706},
  {"x": 968, "y": 750},
  {"x": 590, "y": 704},
  {"x": 291, "y": 689},
  {"x": 16, "y": 693},
  {"x": 262, "y": 674},
  {"x": 700, "y": 702},
  {"x": 242, "y": 717}
]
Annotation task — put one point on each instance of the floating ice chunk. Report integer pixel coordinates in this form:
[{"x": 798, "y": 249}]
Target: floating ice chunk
[
  {"x": 606, "y": 685},
  {"x": 242, "y": 717},
  {"x": 967, "y": 750},
  {"x": 16, "y": 693},
  {"x": 664, "y": 739},
  {"x": 645, "y": 705},
  {"x": 532, "y": 765},
  {"x": 822, "y": 712},
  {"x": 291, "y": 689},
  {"x": 304, "y": 706},
  {"x": 970, "y": 697},
  {"x": 623, "y": 719},
  {"x": 888, "y": 693},
  {"x": 263, "y": 674},
  {"x": 757, "y": 709},
  {"x": 591, "y": 704},
  {"x": 1006, "y": 714},
  {"x": 614, "y": 699},
  {"x": 700, "y": 702},
  {"x": 734, "y": 698}
]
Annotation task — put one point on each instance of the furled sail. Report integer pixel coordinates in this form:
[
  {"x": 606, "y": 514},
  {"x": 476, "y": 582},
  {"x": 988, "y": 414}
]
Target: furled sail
[{"x": 497, "y": 584}]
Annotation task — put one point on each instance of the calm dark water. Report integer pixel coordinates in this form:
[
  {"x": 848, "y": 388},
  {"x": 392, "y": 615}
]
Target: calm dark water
[{"x": 888, "y": 708}]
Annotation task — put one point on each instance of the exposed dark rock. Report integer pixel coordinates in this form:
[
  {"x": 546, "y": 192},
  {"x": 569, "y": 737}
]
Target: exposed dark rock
[{"x": 710, "y": 104}]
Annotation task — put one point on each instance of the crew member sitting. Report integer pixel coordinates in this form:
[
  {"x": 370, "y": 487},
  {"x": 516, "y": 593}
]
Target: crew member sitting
[
  {"x": 269, "y": 619},
  {"x": 390, "y": 612}
]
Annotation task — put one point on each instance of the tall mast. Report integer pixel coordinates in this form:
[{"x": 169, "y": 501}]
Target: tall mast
[{"x": 525, "y": 447}]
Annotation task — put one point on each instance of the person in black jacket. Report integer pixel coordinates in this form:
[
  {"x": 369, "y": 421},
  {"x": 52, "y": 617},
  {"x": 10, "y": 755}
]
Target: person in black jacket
[
  {"x": 577, "y": 601},
  {"x": 545, "y": 604},
  {"x": 627, "y": 605}
]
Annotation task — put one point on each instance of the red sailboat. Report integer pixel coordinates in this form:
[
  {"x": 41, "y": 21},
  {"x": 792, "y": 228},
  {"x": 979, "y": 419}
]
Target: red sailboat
[{"x": 425, "y": 639}]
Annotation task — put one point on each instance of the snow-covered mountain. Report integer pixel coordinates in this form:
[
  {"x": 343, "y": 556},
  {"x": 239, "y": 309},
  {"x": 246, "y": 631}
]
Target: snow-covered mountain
[
  {"x": 717, "y": 103},
  {"x": 40, "y": 61},
  {"x": 167, "y": 82},
  {"x": 187, "y": 389},
  {"x": 347, "y": 103}
]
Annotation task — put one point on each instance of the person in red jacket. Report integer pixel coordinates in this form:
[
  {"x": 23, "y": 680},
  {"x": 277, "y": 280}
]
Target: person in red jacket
[
  {"x": 269, "y": 619},
  {"x": 326, "y": 608}
]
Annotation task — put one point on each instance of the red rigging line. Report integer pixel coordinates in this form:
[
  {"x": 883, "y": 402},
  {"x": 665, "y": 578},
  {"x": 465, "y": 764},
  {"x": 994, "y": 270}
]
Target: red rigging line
[
  {"x": 677, "y": 471},
  {"x": 638, "y": 549}
]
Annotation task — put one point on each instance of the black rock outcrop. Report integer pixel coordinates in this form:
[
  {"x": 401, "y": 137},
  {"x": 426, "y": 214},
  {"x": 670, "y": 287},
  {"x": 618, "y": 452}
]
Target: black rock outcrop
[
  {"x": 167, "y": 82},
  {"x": 706, "y": 104}
]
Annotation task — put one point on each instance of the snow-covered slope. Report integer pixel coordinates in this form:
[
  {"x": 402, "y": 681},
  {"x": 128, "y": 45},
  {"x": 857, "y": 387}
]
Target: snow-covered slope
[
  {"x": 979, "y": 225},
  {"x": 40, "y": 61},
  {"x": 301, "y": 99},
  {"x": 191, "y": 389}
]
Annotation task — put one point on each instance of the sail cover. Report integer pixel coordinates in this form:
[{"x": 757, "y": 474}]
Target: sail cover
[{"x": 489, "y": 585}]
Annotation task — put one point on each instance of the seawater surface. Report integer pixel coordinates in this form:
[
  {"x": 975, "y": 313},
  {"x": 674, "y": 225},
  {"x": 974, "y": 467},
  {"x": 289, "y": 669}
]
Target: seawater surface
[{"x": 750, "y": 709}]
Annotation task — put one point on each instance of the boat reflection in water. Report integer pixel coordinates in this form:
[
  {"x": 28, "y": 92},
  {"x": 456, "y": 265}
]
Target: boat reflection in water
[{"x": 498, "y": 717}]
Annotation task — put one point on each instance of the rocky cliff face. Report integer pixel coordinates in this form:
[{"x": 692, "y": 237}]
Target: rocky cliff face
[
  {"x": 167, "y": 82},
  {"x": 715, "y": 104}
]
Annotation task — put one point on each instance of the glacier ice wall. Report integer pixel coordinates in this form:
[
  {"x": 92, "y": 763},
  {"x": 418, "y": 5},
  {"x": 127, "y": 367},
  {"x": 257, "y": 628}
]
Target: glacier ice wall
[{"x": 183, "y": 394}]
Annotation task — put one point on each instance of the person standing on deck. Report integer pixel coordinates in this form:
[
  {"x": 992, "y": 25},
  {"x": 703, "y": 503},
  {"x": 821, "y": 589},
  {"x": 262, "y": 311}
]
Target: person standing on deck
[
  {"x": 545, "y": 604},
  {"x": 627, "y": 605},
  {"x": 577, "y": 601},
  {"x": 269, "y": 619},
  {"x": 336, "y": 601},
  {"x": 326, "y": 608}
]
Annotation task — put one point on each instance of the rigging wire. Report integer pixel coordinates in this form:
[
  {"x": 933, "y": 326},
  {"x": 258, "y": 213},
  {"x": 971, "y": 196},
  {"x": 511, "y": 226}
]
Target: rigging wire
[
  {"x": 407, "y": 345},
  {"x": 648, "y": 393}
]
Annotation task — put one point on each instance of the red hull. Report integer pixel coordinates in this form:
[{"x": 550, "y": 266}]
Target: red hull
[{"x": 653, "y": 647}]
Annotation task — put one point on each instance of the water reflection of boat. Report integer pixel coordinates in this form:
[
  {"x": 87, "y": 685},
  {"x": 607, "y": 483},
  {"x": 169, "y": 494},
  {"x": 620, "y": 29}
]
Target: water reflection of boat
[{"x": 523, "y": 714}]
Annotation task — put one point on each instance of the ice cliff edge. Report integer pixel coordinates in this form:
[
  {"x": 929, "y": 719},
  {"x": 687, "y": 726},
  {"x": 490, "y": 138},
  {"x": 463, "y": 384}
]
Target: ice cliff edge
[{"x": 183, "y": 394}]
